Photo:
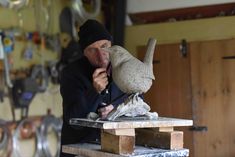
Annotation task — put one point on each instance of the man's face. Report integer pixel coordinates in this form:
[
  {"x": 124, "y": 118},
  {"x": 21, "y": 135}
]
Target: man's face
[{"x": 96, "y": 56}]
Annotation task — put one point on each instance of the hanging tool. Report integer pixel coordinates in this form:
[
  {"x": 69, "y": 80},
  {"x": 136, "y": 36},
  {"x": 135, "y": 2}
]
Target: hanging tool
[
  {"x": 1, "y": 85},
  {"x": 6, "y": 65},
  {"x": 1, "y": 71},
  {"x": 23, "y": 92},
  {"x": 39, "y": 72},
  {"x": 184, "y": 48},
  {"x": 3, "y": 58},
  {"x": 41, "y": 77},
  {"x": 81, "y": 14},
  {"x": 28, "y": 52}
]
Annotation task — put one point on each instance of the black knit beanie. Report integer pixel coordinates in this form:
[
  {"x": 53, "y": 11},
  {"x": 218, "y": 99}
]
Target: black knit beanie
[{"x": 92, "y": 31}]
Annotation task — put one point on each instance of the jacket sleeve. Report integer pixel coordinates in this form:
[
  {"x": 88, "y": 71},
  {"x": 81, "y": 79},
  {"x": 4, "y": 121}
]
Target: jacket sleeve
[{"x": 78, "y": 100}]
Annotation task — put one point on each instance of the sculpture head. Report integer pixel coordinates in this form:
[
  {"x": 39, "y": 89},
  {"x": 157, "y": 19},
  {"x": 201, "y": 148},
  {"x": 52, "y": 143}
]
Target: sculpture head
[{"x": 118, "y": 55}]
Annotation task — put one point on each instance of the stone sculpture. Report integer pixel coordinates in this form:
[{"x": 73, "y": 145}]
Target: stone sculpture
[
  {"x": 129, "y": 73},
  {"x": 133, "y": 77}
]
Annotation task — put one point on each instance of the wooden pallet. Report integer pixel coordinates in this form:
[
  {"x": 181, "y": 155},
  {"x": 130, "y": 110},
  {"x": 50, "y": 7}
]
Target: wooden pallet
[{"x": 120, "y": 137}]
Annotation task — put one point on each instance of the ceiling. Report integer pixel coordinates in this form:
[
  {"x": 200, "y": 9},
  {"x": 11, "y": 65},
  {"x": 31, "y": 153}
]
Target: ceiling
[
  {"x": 158, "y": 11},
  {"x": 136, "y": 6}
]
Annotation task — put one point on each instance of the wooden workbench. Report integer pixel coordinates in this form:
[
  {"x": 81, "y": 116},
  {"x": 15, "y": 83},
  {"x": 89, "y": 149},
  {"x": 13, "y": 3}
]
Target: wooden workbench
[{"x": 118, "y": 138}]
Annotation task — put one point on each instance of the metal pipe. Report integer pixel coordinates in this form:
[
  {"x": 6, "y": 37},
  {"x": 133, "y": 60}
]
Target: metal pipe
[
  {"x": 18, "y": 134},
  {"x": 5, "y": 143},
  {"x": 80, "y": 14},
  {"x": 50, "y": 123},
  {"x": 14, "y": 4}
]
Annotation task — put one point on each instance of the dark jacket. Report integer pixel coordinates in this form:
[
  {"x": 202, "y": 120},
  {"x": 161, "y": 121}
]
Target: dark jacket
[{"x": 80, "y": 98}]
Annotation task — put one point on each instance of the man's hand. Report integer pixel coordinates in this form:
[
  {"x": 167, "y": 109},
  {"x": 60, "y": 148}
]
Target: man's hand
[
  {"x": 104, "y": 111},
  {"x": 100, "y": 79}
]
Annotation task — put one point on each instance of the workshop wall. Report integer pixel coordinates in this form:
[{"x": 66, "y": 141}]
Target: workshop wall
[
  {"x": 181, "y": 80},
  {"x": 23, "y": 21},
  {"x": 173, "y": 32},
  {"x": 51, "y": 99}
]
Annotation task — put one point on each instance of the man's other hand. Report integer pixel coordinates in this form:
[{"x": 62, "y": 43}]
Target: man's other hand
[{"x": 104, "y": 111}]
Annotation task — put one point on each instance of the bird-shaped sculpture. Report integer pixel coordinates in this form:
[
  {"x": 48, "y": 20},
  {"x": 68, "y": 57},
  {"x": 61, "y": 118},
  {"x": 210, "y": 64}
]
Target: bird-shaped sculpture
[
  {"x": 133, "y": 77},
  {"x": 129, "y": 73}
]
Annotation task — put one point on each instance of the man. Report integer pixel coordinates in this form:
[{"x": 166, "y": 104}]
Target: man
[{"x": 86, "y": 85}]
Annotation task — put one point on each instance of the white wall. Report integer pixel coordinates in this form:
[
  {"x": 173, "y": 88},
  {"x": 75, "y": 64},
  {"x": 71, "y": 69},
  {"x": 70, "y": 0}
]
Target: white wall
[{"x": 134, "y": 6}]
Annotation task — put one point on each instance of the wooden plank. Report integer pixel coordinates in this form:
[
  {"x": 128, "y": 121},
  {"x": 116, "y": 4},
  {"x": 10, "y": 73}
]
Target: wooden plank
[
  {"x": 163, "y": 129},
  {"x": 93, "y": 150},
  {"x": 165, "y": 140},
  {"x": 117, "y": 144},
  {"x": 228, "y": 90},
  {"x": 160, "y": 122},
  {"x": 166, "y": 129},
  {"x": 127, "y": 132},
  {"x": 88, "y": 150},
  {"x": 214, "y": 96}
]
